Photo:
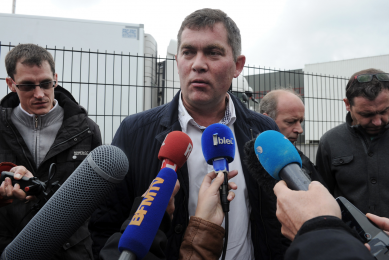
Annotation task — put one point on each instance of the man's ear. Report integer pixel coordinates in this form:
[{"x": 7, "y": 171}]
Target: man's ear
[
  {"x": 240, "y": 61},
  {"x": 347, "y": 103},
  {"x": 175, "y": 56},
  {"x": 10, "y": 84},
  {"x": 56, "y": 79},
  {"x": 265, "y": 114}
]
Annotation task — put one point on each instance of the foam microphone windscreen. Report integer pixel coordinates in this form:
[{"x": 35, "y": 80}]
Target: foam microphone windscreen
[
  {"x": 218, "y": 141},
  {"x": 275, "y": 151},
  {"x": 140, "y": 233},
  {"x": 176, "y": 147},
  {"x": 70, "y": 206}
]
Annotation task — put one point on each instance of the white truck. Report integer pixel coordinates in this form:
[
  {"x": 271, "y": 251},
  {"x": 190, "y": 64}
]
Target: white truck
[{"x": 110, "y": 68}]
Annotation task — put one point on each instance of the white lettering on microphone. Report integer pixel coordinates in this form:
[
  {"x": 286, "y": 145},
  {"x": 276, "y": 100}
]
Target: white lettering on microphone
[
  {"x": 188, "y": 150},
  {"x": 225, "y": 141}
]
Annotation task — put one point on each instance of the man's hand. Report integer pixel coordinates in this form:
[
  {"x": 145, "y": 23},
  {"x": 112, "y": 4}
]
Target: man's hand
[
  {"x": 294, "y": 208},
  {"x": 9, "y": 191},
  {"x": 208, "y": 206},
  {"x": 171, "y": 207},
  {"x": 381, "y": 222}
]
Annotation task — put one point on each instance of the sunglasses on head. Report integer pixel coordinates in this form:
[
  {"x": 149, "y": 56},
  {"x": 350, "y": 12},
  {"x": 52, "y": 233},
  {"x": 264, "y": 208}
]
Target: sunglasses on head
[
  {"x": 28, "y": 87},
  {"x": 369, "y": 77}
]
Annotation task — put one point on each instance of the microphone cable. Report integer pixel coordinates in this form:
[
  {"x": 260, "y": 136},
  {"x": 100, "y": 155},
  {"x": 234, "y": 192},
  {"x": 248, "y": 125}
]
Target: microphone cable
[{"x": 226, "y": 208}]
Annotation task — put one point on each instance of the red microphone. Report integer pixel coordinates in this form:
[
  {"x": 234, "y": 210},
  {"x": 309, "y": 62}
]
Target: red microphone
[{"x": 175, "y": 150}]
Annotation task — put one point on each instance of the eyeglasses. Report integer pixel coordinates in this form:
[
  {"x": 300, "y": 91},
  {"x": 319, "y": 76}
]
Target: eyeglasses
[
  {"x": 369, "y": 77},
  {"x": 28, "y": 87}
]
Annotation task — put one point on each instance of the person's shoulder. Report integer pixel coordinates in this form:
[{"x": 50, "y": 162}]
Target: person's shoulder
[
  {"x": 145, "y": 118},
  {"x": 261, "y": 120},
  {"x": 339, "y": 130}
]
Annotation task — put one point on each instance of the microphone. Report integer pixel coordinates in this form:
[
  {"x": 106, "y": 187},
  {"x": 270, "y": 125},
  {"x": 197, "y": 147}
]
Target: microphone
[
  {"x": 70, "y": 206},
  {"x": 218, "y": 145},
  {"x": 136, "y": 240},
  {"x": 280, "y": 159},
  {"x": 175, "y": 150}
]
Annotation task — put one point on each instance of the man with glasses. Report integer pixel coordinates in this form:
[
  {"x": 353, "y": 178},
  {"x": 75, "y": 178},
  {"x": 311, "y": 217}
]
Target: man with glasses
[
  {"x": 40, "y": 124},
  {"x": 353, "y": 158}
]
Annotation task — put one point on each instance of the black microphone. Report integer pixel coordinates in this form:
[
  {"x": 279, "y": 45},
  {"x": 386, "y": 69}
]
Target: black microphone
[{"x": 70, "y": 206}]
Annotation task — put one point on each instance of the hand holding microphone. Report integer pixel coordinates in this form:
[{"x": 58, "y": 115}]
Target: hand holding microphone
[
  {"x": 139, "y": 234},
  {"x": 208, "y": 206},
  {"x": 294, "y": 208}
]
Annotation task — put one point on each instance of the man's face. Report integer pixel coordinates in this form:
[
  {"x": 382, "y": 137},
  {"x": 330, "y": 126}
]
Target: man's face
[
  {"x": 290, "y": 115},
  {"x": 371, "y": 115},
  {"x": 206, "y": 66},
  {"x": 38, "y": 101}
]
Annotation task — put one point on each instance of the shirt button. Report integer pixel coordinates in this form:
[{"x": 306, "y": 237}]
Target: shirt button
[
  {"x": 74, "y": 157},
  {"x": 371, "y": 154},
  {"x": 75, "y": 139},
  {"x": 373, "y": 180},
  {"x": 178, "y": 229}
]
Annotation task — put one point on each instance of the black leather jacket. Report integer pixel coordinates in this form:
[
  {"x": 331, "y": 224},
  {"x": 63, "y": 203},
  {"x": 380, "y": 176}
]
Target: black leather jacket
[
  {"x": 140, "y": 136},
  {"x": 77, "y": 133}
]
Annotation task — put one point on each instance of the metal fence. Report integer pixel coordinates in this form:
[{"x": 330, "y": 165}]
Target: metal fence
[{"x": 112, "y": 86}]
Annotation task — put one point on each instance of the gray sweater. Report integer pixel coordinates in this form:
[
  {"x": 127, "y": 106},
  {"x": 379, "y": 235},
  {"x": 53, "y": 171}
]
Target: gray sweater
[{"x": 38, "y": 131}]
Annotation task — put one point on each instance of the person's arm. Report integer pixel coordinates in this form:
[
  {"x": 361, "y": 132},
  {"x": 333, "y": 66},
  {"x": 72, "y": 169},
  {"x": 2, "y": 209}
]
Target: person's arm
[
  {"x": 203, "y": 237},
  {"x": 312, "y": 220},
  {"x": 323, "y": 166}
]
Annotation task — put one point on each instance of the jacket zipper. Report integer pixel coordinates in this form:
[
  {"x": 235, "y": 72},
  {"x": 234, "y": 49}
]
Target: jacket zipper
[
  {"x": 17, "y": 139},
  {"x": 36, "y": 141}
]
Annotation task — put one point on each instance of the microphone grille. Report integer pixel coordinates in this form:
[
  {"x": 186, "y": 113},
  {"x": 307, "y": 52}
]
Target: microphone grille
[
  {"x": 69, "y": 207},
  {"x": 116, "y": 166}
]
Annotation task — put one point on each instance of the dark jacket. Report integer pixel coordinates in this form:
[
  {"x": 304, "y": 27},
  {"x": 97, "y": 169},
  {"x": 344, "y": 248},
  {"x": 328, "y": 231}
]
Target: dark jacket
[
  {"x": 356, "y": 167},
  {"x": 327, "y": 238},
  {"x": 310, "y": 169},
  {"x": 77, "y": 133},
  {"x": 140, "y": 136}
]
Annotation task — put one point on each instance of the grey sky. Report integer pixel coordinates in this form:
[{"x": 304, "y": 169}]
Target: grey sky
[{"x": 283, "y": 34}]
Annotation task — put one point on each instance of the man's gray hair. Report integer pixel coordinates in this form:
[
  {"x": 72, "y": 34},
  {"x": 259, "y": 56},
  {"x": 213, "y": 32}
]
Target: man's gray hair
[
  {"x": 269, "y": 102},
  {"x": 208, "y": 18},
  {"x": 28, "y": 54}
]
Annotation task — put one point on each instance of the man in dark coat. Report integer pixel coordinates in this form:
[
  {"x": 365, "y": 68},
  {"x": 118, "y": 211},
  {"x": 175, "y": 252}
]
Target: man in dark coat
[
  {"x": 209, "y": 57},
  {"x": 40, "y": 124}
]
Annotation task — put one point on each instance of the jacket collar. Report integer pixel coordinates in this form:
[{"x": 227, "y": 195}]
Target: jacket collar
[
  {"x": 171, "y": 117},
  {"x": 64, "y": 98}
]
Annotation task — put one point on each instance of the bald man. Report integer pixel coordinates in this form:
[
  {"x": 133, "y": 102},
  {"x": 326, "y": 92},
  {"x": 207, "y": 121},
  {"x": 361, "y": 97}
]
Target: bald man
[{"x": 287, "y": 109}]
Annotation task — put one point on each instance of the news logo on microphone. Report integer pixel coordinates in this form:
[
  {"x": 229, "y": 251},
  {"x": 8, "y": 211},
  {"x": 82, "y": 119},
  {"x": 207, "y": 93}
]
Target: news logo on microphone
[
  {"x": 218, "y": 141},
  {"x": 147, "y": 201}
]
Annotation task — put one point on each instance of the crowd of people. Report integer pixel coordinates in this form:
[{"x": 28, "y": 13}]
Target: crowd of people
[{"x": 41, "y": 124}]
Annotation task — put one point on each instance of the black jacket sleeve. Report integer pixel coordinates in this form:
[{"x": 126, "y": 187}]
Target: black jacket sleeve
[
  {"x": 324, "y": 238},
  {"x": 110, "y": 250}
]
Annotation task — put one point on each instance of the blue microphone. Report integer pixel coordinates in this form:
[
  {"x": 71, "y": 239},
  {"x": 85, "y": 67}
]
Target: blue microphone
[
  {"x": 280, "y": 159},
  {"x": 140, "y": 233},
  {"x": 218, "y": 145}
]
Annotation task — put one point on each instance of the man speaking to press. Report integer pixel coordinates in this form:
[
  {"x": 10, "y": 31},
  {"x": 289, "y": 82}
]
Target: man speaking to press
[{"x": 209, "y": 57}]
